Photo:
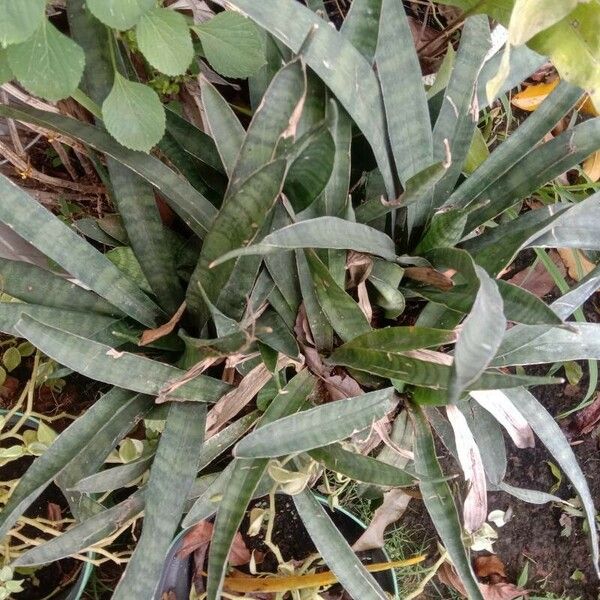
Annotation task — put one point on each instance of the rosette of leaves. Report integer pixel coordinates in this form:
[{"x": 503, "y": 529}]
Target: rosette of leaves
[
  {"x": 296, "y": 272},
  {"x": 50, "y": 64}
]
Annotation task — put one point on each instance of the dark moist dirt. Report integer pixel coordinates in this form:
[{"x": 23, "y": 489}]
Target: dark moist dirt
[{"x": 55, "y": 576}]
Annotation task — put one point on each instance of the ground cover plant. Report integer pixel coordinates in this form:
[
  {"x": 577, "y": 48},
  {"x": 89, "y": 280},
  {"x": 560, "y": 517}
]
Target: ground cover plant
[{"x": 307, "y": 293}]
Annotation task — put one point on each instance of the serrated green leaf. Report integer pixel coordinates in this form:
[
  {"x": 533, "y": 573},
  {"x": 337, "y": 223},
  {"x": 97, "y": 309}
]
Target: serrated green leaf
[
  {"x": 103, "y": 363},
  {"x": 165, "y": 41},
  {"x": 60, "y": 243},
  {"x": 20, "y": 18},
  {"x": 440, "y": 504},
  {"x": 360, "y": 467},
  {"x": 321, "y": 232},
  {"x": 316, "y": 427},
  {"x": 232, "y": 44},
  {"x": 38, "y": 286},
  {"x": 194, "y": 209},
  {"x": 480, "y": 336},
  {"x": 11, "y": 358},
  {"x": 223, "y": 124},
  {"x": 551, "y": 435},
  {"x": 335, "y": 60},
  {"x": 48, "y": 64},
  {"x": 66, "y": 446},
  {"x": 133, "y": 114},
  {"x": 171, "y": 477},
  {"x": 119, "y": 14},
  {"x": 335, "y": 550}
]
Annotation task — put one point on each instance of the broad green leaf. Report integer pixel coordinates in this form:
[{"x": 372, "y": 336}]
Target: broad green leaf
[
  {"x": 530, "y": 17},
  {"x": 103, "y": 363},
  {"x": 321, "y": 232},
  {"x": 238, "y": 222},
  {"x": 20, "y": 18},
  {"x": 60, "y": 243},
  {"x": 361, "y": 26},
  {"x": 573, "y": 45},
  {"x": 478, "y": 153},
  {"x": 497, "y": 9},
  {"x": 171, "y": 478},
  {"x": 535, "y": 344},
  {"x": 457, "y": 119},
  {"x": 335, "y": 550},
  {"x": 519, "y": 143},
  {"x": 335, "y": 60},
  {"x": 194, "y": 141},
  {"x": 119, "y": 14},
  {"x": 195, "y": 210},
  {"x": 360, "y": 467},
  {"x": 316, "y": 427},
  {"x": 551, "y": 435},
  {"x": 479, "y": 338},
  {"x": 11, "y": 358},
  {"x": 48, "y": 64},
  {"x": 133, "y": 114},
  {"x": 114, "y": 478},
  {"x": 541, "y": 165},
  {"x": 322, "y": 332},
  {"x": 223, "y": 124},
  {"x": 232, "y": 44},
  {"x": 567, "y": 304},
  {"x": 5, "y": 72},
  {"x": 38, "y": 286},
  {"x": 66, "y": 447},
  {"x": 85, "y": 534},
  {"x": 274, "y": 121},
  {"x": 124, "y": 258},
  {"x": 440, "y": 504},
  {"x": 391, "y": 340},
  {"x": 289, "y": 401},
  {"x": 445, "y": 230},
  {"x": 310, "y": 168},
  {"x": 243, "y": 481},
  {"x": 92, "y": 455},
  {"x": 344, "y": 314},
  {"x": 165, "y": 41}
]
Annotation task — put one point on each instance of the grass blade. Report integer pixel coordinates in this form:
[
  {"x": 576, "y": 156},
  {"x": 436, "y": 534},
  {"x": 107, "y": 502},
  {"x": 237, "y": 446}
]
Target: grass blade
[
  {"x": 171, "y": 477},
  {"x": 316, "y": 427},
  {"x": 126, "y": 370},
  {"x": 56, "y": 240}
]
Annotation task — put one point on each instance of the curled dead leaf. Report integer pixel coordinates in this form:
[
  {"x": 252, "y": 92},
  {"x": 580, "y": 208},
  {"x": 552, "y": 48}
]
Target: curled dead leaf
[
  {"x": 531, "y": 97},
  {"x": 151, "y": 335},
  {"x": 578, "y": 266},
  {"x": 429, "y": 276},
  {"x": 495, "y": 591},
  {"x": 586, "y": 420},
  {"x": 490, "y": 566}
]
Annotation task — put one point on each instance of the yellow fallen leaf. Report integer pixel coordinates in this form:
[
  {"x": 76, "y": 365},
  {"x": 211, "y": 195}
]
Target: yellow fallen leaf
[
  {"x": 244, "y": 584},
  {"x": 588, "y": 108},
  {"x": 578, "y": 266},
  {"x": 530, "y": 98},
  {"x": 591, "y": 166}
]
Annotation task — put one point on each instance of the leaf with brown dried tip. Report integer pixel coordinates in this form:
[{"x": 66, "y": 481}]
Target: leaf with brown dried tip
[{"x": 429, "y": 276}]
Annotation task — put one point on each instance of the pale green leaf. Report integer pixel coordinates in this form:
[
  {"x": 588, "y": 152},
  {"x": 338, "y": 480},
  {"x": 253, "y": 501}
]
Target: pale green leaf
[
  {"x": 232, "y": 44},
  {"x": 5, "y": 72},
  {"x": 48, "y": 64},
  {"x": 165, "y": 41},
  {"x": 530, "y": 17},
  {"x": 20, "y": 18},
  {"x": 478, "y": 153},
  {"x": 316, "y": 427},
  {"x": 11, "y": 358},
  {"x": 133, "y": 114},
  {"x": 119, "y": 14}
]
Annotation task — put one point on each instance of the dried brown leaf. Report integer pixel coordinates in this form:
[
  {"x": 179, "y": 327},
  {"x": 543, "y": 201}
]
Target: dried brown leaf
[
  {"x": 536, "y": 279},
  {"x": 496, "y": 591},
  {"x": 342, "y": 386},
  {"x": 151, "y": 335},
  {"x": 197, "y": 537},
  {"x": 490, "y": 565},
  {"x": 394, "y": 504},
  {"x": 429, "y": 276},
  {"x": 239, "y": 554},
  {"x": 586, "y": 420},
  {"x": 578, "y": 266}
]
